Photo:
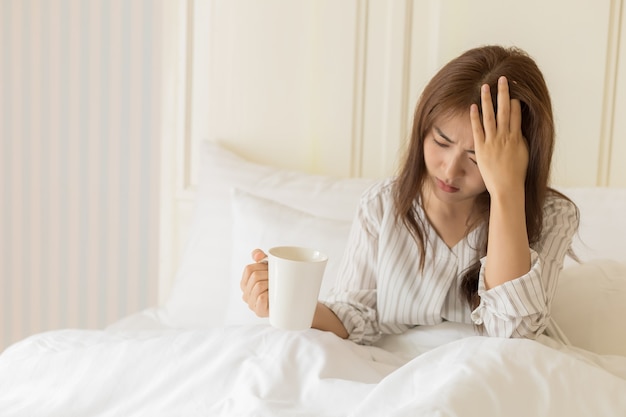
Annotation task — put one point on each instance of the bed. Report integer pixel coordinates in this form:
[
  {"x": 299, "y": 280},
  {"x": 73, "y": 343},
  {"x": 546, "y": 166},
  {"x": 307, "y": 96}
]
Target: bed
[{"x": 203, "y": 353}]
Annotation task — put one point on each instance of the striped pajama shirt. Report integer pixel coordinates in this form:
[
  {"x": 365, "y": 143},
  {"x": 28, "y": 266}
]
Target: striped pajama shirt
[{"x": 381, "y": 289}]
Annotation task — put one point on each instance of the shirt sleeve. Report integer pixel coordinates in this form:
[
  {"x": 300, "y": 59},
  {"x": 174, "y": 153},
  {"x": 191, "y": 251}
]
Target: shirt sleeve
[
  {"x": 521, "y": 307},
  {"x": 354, "y": 297}
]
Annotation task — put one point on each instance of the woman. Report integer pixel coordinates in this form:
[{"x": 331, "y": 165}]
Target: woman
[{"x": 469, "y": 230}]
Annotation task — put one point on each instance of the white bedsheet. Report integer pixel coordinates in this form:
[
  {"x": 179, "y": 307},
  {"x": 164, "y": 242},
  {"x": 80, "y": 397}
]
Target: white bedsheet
[{"x": 259, "y": 371}]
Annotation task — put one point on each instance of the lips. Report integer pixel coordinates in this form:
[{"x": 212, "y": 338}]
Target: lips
[{"x": 445, "y": 187}]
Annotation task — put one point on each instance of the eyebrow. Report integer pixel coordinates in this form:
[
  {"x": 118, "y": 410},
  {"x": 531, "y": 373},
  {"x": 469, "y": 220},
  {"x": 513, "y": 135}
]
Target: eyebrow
[{"x": 443, "y": 135}]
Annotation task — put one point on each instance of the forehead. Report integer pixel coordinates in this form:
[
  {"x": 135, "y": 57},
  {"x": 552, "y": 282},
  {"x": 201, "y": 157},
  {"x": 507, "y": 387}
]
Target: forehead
[
  {"x": 452, "y": 117},
  {"x": 456, "y": 126}
]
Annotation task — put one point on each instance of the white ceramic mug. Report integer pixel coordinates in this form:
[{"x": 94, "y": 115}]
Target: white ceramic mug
[{"x": 295, "y": 278}]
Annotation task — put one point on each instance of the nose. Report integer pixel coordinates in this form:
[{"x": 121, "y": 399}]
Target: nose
[{"x": 454, "y": 167}]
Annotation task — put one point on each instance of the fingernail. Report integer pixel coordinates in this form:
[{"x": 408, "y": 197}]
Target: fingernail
[
  {"x": 502, "y": 79},
  {"x": 485, "y": 88}
]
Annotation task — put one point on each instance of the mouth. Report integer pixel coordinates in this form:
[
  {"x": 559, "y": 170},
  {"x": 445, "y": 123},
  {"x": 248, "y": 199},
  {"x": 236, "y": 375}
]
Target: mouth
[{"x": 445, "y": 187}]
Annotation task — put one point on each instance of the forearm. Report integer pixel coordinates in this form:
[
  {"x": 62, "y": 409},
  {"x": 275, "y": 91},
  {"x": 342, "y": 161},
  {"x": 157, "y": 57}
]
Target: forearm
[
  {"x": 508, "y": 252},
  {"x": 325, "y": 319}
]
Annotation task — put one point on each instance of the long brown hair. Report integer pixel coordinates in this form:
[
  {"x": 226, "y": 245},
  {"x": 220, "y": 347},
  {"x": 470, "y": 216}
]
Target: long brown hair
[{"x": 451, "y": 91}]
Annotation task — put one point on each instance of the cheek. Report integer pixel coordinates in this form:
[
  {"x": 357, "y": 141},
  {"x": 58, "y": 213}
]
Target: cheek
[
  {"x": 430, "y": 155},
  {"x": 477, "y": 180}
]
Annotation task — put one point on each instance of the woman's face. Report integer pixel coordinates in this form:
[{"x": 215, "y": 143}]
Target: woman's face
[{"x": 450, "y": 160}]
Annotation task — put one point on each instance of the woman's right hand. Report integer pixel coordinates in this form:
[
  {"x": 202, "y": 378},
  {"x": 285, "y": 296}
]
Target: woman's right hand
[{"x": 254, "y": 285}]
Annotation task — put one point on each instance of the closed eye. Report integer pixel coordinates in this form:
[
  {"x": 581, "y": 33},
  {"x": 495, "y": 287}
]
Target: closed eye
[
  {"x": 441, "y": 144},
  {"x": 470, "y": 154},
  {"x": 445, "y": 145},
  {"x": 449, "y": 141}
]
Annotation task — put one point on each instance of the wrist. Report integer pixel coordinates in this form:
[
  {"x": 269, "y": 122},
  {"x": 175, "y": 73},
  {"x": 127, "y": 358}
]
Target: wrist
[
  {"x": 325, "y": 319},
  {"x": 508, "y": 196}
]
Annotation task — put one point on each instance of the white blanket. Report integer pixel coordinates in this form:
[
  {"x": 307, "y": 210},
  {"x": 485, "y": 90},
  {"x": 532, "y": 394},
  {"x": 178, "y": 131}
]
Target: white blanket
[{"x": 260, "y": 371}]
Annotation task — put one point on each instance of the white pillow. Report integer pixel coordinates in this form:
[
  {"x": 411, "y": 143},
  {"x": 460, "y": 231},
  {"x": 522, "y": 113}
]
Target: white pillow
[
  {"x": 199, "y": 295},
  {"x": 590, "y": 306},
  {"x": 262, "y": 223}
]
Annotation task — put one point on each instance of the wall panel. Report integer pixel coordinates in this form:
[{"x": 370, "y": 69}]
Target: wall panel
[
  {"x": 388, "y": 100},
  {"x": 282, "y": 89}
]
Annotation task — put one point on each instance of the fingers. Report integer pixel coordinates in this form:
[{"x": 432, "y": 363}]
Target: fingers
[
  {"x": 258, "y": 298},
  {"x": 251, "y": 272},
  {"x": 258, "y": 255},
  {"x": 489, "y": 119},
  {"x": 509, "y": 115},
  {"x": 254, "y": 286},
  {"x": 504, "y": 103},
  {"x": 516, "y": 116},
  {"x": 477, "y": 127}
]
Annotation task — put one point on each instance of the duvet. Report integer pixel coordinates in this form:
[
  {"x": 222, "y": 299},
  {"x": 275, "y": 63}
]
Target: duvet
[{"x": 260, "y": 371}]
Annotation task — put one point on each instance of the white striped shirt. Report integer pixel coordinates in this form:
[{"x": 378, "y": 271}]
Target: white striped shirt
[{"x": 381, "y": 289}]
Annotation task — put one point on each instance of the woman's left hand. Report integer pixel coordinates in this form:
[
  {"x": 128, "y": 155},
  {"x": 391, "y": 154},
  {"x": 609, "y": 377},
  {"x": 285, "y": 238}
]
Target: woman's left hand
[{"x": 501, "y": 149}]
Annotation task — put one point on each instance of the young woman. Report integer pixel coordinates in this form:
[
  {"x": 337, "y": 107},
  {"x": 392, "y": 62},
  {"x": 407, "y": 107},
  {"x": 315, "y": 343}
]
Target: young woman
[{"x": 469, "y": 230}]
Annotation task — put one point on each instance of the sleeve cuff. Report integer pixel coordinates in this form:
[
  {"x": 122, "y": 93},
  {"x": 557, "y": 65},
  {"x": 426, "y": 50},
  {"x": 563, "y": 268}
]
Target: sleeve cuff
[
  {"x": 362, "y": 326},
  {"x": 513, "y": 300}
]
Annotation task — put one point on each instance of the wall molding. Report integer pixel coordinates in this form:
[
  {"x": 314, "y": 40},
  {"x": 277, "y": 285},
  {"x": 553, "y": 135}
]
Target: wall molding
[
  {"x": 173, "y": 122},
  {"x": 610, "y": 92},
  {"x": 184, "y": 175},
  {"x": 388, "y": 93},
  {"x": 358, "y": 100}
]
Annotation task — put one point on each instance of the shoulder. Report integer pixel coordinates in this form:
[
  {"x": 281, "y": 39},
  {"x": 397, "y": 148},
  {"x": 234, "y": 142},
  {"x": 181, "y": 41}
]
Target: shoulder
[
  {"x": 376, "y": 204},
  {"x": 560, "y": 223},
  {"x": 557, "y": 204},
  {"x": 559, "y": 213},
  {"x": 380, "y": 191}
]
